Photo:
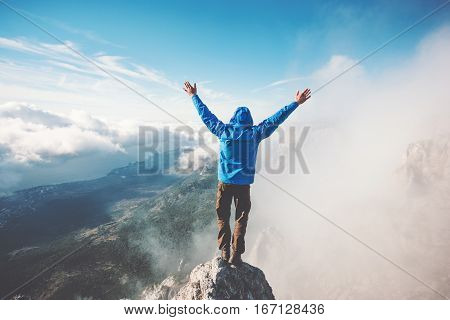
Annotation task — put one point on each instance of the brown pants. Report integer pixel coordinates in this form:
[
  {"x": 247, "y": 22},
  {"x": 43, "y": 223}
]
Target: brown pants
[{"x": 241, "y": 195}]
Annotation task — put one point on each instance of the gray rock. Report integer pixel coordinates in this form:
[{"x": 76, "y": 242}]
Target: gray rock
[
  {"x": 217, "y": 280},
  {"x": 166, "y": 290}
]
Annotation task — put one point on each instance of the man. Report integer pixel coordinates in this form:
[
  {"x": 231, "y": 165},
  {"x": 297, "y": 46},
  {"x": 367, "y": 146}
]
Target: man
[{"x": 239, "y": 140}]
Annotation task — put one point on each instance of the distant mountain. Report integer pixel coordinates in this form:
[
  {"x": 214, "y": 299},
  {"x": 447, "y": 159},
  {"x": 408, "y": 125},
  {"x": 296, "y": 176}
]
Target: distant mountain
[
  {"x": 111, "y": 236},
  {"x": 48, "y": 212}
]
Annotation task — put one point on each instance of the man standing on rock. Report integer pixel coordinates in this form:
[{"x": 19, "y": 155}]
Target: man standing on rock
[{"x": 239, "y": 141}]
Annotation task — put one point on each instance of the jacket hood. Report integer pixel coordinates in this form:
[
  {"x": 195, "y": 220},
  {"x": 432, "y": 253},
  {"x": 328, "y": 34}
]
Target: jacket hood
[{"x": 242, "y": 117}]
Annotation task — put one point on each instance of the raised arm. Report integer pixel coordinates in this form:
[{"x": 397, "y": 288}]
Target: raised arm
[
  {"x": 209, "y": 119},
  {"x": 268, "y": 126}
]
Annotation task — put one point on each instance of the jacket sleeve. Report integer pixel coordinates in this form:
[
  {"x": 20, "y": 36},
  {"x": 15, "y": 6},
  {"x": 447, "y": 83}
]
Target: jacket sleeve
[
  {"x": 209, "y": 119},
  {"x": 268, "y": 126}
]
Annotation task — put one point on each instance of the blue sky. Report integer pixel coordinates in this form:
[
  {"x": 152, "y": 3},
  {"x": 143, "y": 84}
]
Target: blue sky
[{"x": 236, "y": 44}]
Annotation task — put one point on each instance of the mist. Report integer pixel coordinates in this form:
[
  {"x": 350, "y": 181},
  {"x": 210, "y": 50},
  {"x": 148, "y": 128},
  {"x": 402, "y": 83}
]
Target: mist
[{"x": 377, "y": 153}]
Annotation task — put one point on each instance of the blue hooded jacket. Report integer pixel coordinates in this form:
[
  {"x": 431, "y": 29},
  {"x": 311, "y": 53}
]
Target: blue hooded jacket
[{"x": 239, "y": 139}]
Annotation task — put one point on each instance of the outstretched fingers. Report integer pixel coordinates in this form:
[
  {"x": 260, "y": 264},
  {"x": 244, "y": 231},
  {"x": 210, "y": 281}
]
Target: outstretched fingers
[
  {"x": 189, "y": 89},
  {"x": 306, "y": 94}
]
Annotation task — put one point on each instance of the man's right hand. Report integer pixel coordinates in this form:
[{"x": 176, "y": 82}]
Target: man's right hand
[
  {"x": 190, "y": 90},
  {"x": 301, "y": 98}
]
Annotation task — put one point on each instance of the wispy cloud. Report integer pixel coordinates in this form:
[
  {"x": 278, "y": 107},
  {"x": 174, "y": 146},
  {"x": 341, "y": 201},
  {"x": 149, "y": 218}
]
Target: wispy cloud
[
  {"x": 279, "y": 83},
  {"x": 63, "y": 57},
  {"x": 334, "y": 66},
  {"x": 50, "y": 50},
  {"x": 53, "y": 74}
]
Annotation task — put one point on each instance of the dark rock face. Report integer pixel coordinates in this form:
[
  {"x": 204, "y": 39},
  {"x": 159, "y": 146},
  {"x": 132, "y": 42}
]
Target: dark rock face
[{"x": 218, "y": 280}]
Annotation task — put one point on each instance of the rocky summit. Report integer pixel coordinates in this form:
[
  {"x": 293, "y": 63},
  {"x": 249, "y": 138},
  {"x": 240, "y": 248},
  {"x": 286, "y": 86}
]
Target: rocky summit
[{"x": 218, "y": 280}]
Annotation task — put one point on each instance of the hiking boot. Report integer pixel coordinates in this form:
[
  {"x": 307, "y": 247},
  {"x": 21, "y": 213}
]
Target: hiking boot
[
  {"x": 236, "y": 259},
  {"x": 226, "y": 254}
]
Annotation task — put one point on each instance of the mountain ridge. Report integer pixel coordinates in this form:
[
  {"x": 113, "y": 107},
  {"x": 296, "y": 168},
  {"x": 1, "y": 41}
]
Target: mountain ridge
[{"x": 122, "y": 251}]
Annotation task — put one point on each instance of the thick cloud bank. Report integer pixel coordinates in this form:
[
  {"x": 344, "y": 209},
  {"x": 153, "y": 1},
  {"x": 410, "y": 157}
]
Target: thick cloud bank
[
  {"x": 29, "y": 134},
  {"x": 31, "y": 138}
]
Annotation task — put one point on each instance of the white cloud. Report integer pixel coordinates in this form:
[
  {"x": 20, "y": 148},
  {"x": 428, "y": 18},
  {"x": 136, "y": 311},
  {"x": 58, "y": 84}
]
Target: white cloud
[
  {"x": 334, "y": 66},
  {"x": 28, "y": 134},
  {"x": 115, "y": 64},
  {"x": 31, "y": 114}
]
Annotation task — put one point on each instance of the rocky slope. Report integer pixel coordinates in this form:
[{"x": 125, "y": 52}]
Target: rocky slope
[
  {"x": 135, "y": 235},
  {"x": 215, "y": 280}
]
